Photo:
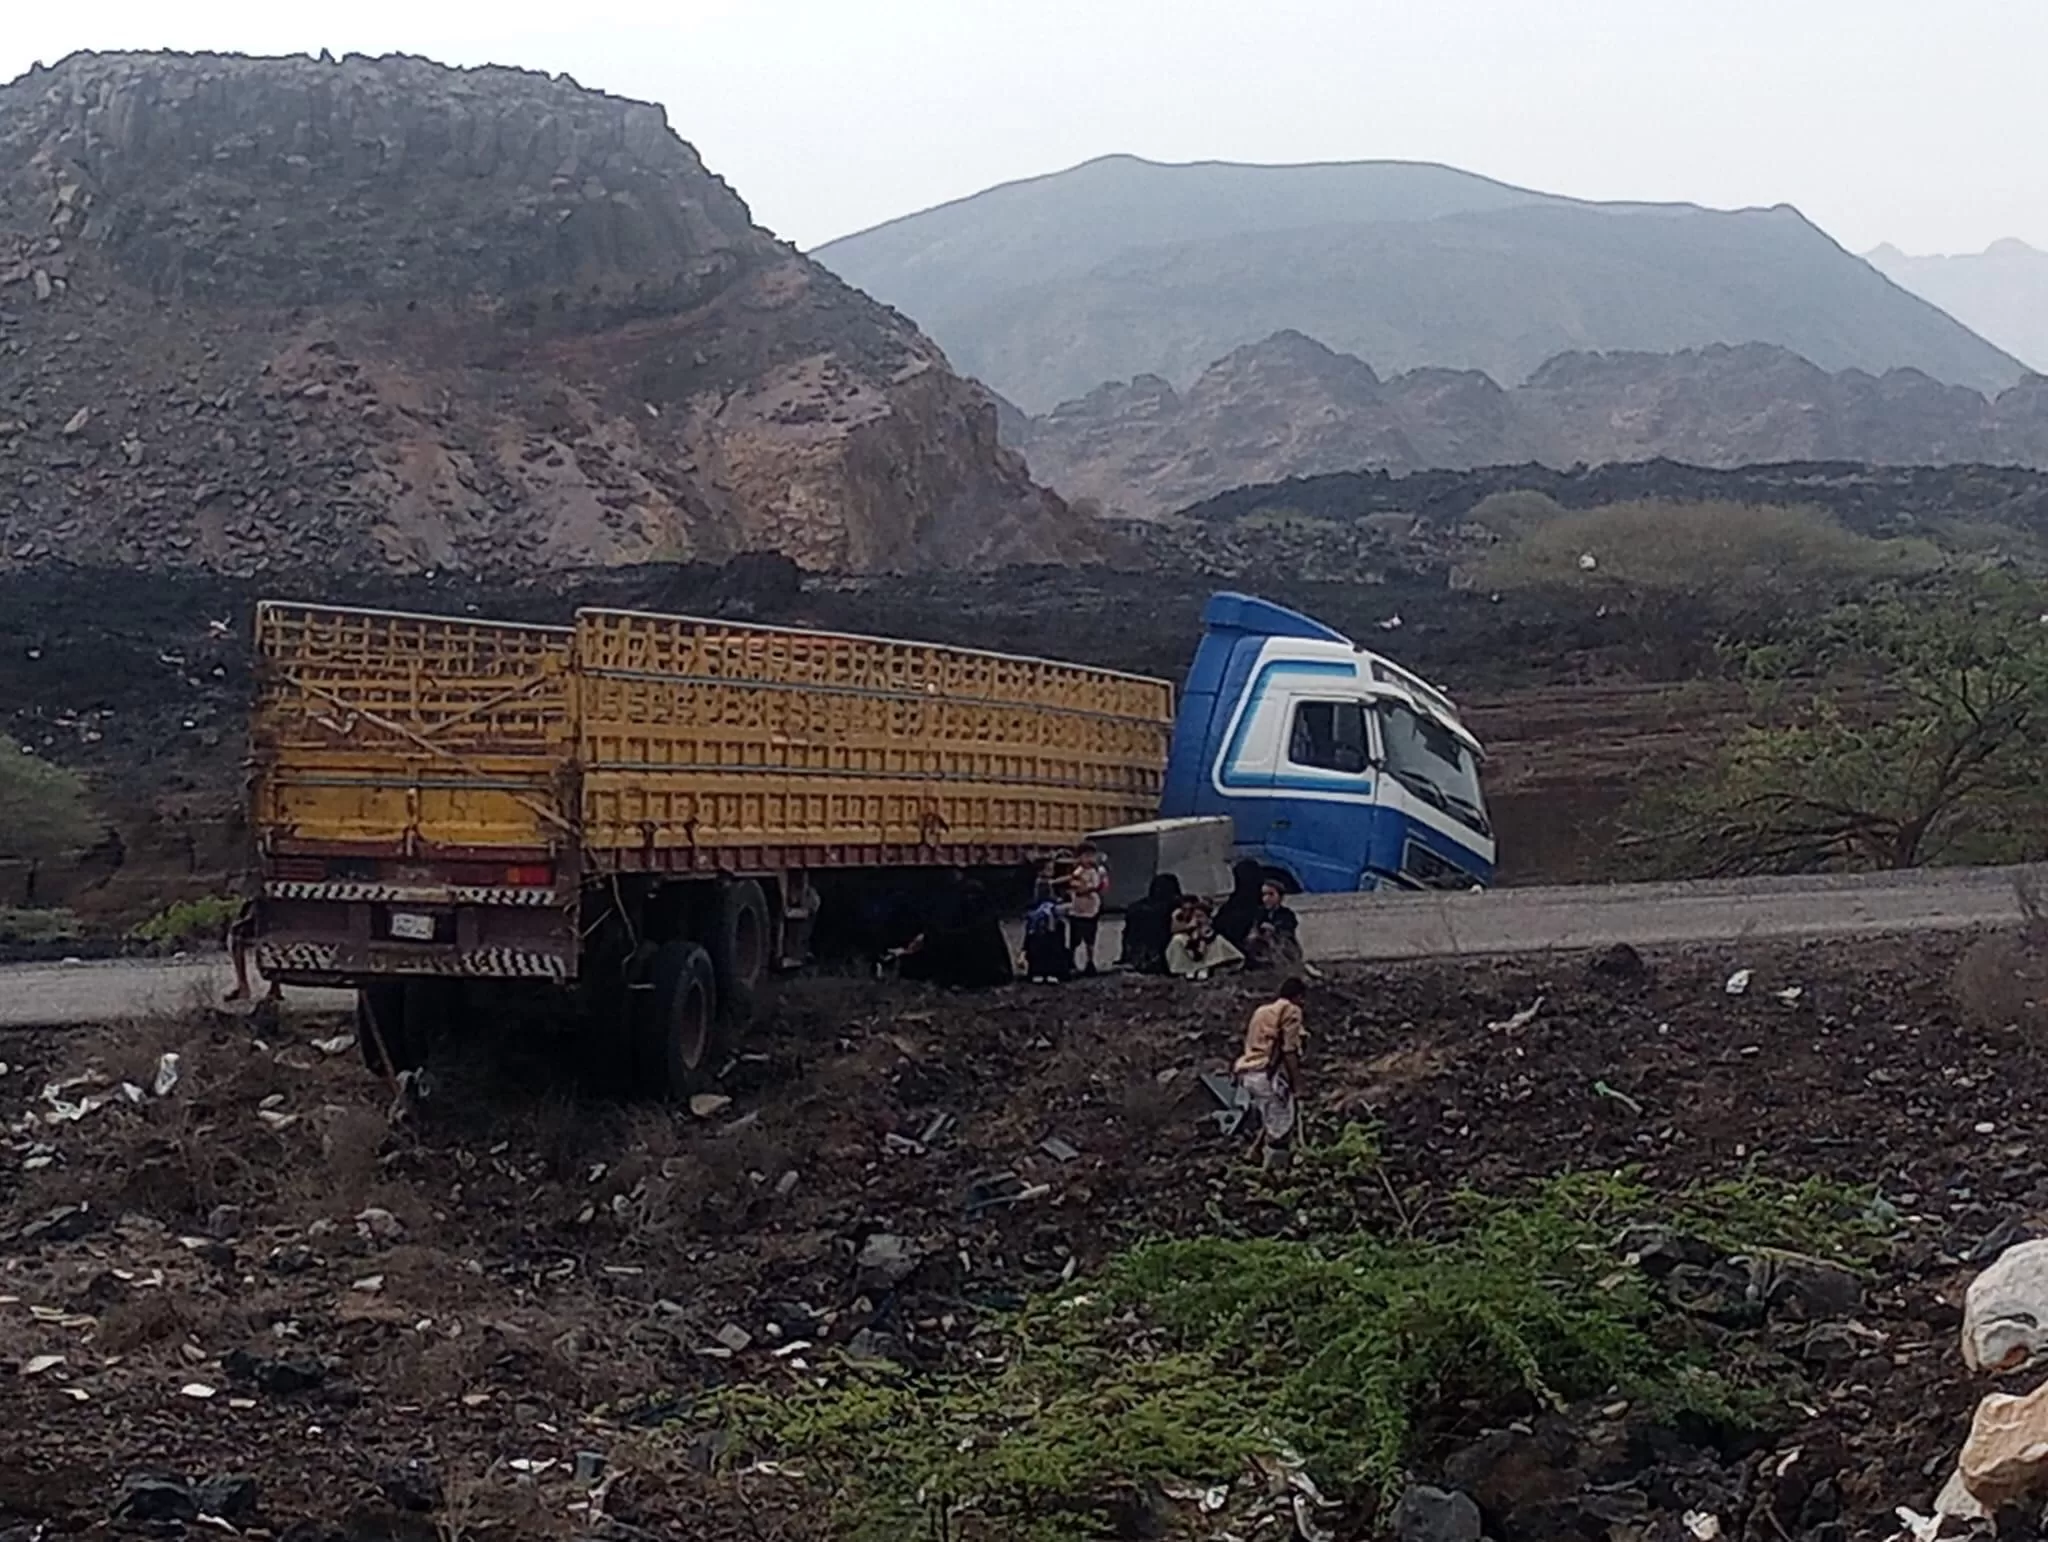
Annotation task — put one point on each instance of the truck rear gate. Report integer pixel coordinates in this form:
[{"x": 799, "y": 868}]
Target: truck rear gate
[{"x": 413, "y": 796}]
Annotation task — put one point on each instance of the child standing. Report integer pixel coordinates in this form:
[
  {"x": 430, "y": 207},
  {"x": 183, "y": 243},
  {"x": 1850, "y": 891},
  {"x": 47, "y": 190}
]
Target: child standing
[{"x": 1086, "y": 885}]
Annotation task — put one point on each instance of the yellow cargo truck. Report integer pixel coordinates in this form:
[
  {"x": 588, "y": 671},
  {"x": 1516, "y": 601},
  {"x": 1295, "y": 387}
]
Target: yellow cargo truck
[{"x": 454, "y": 813}]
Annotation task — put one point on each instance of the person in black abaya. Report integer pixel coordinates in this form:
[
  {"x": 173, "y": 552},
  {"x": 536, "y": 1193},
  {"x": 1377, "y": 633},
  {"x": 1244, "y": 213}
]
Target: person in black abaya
[
  {"x": 962, "y": 943},
  {"x": 1148, "y": 926},
  {"x": 1240, "y": 913}
]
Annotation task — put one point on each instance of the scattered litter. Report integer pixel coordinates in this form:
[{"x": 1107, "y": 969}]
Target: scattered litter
[
  {"x": 166, "y": 1074},
  {"x": 2005, "y": 1312},
  {"x": 1601, "y": 1089},
  {"x": 369, "y": 1284},
  {"x": 197, "y": 1390},
  {"x": 340, "y": 1044},
  {"x": 1233, "y": 1102},
  {"x": 786, "y": 1184},
  {"x": 375, "y": 1225},
  {"x": 532, "y": 1467},
  {"x": 886, "y": 1261},
  {"x": 589, "y": 1466},
  {"x": 1391, "y": 624},
  {"x": 1001, "y": 1189},
  {"x": 1703, "y": 1526},
  {"x": 902, "y": 1145},
  {"x": 939, "y": 1124},
  {"x": 709, "y": 1105},
  {"x": 276, "y": 1120},
  {"x": 1790, "y": 994},
  {"x": 76, "y": 1394},
  {"x": 36, "y": 1365},
  {"x": 2005, "y": 1458},
  {"x": 1519, "y": 1020},
  {"x": 1059, "y": 1150},
  {"x": 1984, "y": 1127},
  {"x": 1588, "y": 562},
  {"x": 734, "y": 1337},
  {"x": 1738, "y": 982}
]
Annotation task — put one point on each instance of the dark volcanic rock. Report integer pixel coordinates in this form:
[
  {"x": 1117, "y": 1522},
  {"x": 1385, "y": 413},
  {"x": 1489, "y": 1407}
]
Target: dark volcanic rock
[
  {"x": 1290, "y": 407},
  {"x": 259, "y": 314}
]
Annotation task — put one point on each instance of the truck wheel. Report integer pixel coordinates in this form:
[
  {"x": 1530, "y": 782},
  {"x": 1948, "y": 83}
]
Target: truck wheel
[
  {"x": 677, "y": 1036},
  {"x": 740, "y": 937},
  {"x": 389, "y": 1029}
]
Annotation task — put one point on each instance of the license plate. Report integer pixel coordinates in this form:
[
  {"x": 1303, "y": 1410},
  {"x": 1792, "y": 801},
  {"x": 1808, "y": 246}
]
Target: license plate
[{"x": 408, "y": 926}]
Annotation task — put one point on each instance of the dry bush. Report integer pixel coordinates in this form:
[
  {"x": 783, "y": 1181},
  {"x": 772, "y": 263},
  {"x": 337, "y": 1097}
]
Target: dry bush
[
  {"x": 721, "y": 1185},
  {"x": 2000, "y": 983},
  {"x": 351, "y": 1150}
]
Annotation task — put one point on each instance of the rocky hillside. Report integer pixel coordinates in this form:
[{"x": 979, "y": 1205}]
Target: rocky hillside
[
  {"x": 1289, "y": 407},
  {"x": 288, "y": 313},
  {"x": 2001, "y": 291},
  {"x": 1121, "y": 267}
]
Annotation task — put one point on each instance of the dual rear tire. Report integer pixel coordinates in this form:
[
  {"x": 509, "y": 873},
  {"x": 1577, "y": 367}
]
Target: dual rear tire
[{"x": 700, "y": 999}]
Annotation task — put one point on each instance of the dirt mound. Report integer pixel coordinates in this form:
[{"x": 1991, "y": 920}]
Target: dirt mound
[
  {"x": 503, "y": 1304},
  {"x": 262, "y": 314}
]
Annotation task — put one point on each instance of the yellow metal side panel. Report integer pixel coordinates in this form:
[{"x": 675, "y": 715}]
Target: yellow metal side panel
[
  {"x": 705, "y": 734},
  {"x": 416, "y": 732}
]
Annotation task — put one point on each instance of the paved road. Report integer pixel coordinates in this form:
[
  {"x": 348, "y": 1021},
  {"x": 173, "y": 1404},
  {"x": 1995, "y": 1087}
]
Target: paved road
[
  {"x": 115, "y": 990},
  {"x": 1532, "y": 920},
  {"x": 1334, "y": 928}
]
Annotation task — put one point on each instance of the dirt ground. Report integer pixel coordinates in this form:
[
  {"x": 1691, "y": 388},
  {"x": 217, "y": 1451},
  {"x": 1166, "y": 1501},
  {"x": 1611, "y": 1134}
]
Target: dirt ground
[{"x": 487, "y": 1313}]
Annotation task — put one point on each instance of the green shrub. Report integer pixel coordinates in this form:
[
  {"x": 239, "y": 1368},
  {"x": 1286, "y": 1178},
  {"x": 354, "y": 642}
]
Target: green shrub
[
  {"x": 188, "y": 921},
  {"x": 44, "y": 809},
  {"x": 37, "y": 925},
  {"x": 1192, "y": 1358}
]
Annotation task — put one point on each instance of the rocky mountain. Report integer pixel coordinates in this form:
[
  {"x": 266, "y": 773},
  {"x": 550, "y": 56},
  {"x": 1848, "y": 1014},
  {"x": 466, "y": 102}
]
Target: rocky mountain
[
  {"x": 2001, "y": 292},
  {"x": 1290, "y": 407},
  {"x": 270, "y": 313},
  {"x": 1122, "y": 267}
]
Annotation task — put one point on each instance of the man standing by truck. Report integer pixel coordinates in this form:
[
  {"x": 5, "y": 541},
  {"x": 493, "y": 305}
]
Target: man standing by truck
[{"x": 1269, "y": 1070}]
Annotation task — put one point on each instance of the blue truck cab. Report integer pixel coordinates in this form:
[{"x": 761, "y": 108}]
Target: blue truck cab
[{"x": 1337, "y": 767}]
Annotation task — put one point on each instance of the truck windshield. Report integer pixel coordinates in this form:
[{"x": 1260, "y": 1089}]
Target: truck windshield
[{"x": 1431, "y": 761}]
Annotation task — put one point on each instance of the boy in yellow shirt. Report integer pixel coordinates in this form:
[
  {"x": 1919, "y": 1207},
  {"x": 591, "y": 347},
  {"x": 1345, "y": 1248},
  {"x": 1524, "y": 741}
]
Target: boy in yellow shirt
[{"x": 1269, "y": 1070}]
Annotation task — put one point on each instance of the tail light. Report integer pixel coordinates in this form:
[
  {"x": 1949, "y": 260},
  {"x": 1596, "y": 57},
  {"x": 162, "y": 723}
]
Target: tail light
[{"x": 531, "y": 876}]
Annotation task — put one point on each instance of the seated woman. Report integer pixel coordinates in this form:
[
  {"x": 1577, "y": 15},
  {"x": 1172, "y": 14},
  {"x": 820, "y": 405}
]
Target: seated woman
[
  {"x": 1274, "y": 940},
  {"x": 1196, "y": 950},
  {"x": 1148, "y": 926}
]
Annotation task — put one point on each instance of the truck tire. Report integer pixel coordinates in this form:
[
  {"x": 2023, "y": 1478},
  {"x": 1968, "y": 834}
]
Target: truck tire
[
  {"x": 677, "y": 1040},
  {"x": 740, "y": 939},
  {"x": 391, "y": 1027}
]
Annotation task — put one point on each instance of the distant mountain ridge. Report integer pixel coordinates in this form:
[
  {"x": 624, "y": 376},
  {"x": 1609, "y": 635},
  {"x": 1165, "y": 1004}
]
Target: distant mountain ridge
[
  {"x": 2001, "y": 292},
  {"x": 1122, "y": 267},
  {"x": 1288, "y": 406}
]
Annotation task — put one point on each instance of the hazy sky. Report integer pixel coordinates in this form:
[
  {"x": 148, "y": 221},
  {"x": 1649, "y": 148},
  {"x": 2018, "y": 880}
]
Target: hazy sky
[{"x": 1904, "y": 120}]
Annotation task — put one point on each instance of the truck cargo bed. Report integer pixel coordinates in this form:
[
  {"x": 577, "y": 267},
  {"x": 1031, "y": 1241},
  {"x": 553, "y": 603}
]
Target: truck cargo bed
[{"x": 708, "y": 744}]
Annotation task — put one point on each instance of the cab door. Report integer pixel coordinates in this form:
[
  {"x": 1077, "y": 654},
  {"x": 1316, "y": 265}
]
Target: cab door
[{"x": 1322, "y": 819}]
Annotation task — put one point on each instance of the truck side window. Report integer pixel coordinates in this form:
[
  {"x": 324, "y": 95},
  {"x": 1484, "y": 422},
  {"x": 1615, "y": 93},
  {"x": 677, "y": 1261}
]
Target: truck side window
[{"x": 1329, "y": 736}]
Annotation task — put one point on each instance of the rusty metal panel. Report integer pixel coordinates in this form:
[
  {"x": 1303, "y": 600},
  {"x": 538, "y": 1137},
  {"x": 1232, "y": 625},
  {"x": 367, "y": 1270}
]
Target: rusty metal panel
[
  {"x": 701, "y": 740},
  {"x": 382, "y": 732}
]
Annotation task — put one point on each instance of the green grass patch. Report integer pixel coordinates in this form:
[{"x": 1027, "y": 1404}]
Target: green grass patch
[
  {"x": 203, "y": 920},
  {"x": 1728, "y": 549},
  {"x": 1191, "y": 1358}
]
